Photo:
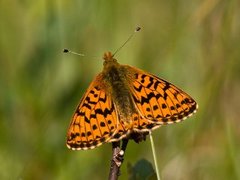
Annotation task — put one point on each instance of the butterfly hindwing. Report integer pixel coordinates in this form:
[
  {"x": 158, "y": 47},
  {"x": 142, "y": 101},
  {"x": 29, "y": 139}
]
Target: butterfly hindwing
[
  {"x": 158, "y": 100},
  {"x": 94, "y": 120}
]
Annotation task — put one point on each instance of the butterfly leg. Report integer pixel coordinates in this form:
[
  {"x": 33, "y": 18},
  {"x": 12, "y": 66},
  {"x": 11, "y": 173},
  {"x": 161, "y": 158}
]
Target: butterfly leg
[
  {"x": 139, "y": 136},
  {"x": 124, "y": 144}
]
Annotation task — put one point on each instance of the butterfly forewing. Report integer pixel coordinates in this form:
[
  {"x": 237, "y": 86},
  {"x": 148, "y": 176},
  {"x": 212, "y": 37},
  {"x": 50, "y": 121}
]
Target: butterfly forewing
[
  {"x": 158, "y": 100},
  {"x": 94, "y": 120}
]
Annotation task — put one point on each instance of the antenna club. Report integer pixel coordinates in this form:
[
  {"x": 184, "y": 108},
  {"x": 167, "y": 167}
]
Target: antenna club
[
  {"x": 138, "y": 29},
  {"x": 107, "y": 56},
  {"x": 72, "y": 52},
  {"x": 129, "y": 38},
  {"x": 65, "y": 50}
]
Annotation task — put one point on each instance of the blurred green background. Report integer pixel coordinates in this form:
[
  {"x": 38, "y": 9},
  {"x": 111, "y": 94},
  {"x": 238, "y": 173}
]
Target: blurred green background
[{"x": 193, "y": 44}]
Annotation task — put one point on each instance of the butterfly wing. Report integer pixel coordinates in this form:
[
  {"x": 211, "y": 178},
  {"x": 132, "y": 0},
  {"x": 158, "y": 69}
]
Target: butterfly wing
[
  {"x": 158, "y": 101},
  {"x": 94, "y": 120}
]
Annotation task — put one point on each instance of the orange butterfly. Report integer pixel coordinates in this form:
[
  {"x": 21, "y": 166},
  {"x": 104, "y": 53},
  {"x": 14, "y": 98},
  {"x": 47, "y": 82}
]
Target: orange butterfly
[{"x": 122, "y": 101}]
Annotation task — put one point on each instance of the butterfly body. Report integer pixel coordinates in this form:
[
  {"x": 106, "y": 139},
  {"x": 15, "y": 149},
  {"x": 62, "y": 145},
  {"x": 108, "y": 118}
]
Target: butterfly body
[
  {"x": 125, "y": 102},
  {"x": 115, "y": 77}
]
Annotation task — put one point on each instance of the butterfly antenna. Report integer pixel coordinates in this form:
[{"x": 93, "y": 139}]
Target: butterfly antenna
[
  {"x": 72, "y": 52},
  {"x": 129, "y": 38}
]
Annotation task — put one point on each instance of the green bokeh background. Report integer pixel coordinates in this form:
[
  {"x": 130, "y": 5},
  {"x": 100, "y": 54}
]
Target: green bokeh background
[{"x": 193, "y": 44}]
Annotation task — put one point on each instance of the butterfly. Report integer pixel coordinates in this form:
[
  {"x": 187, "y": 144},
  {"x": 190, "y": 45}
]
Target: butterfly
[{"x": 123, "y": 101}]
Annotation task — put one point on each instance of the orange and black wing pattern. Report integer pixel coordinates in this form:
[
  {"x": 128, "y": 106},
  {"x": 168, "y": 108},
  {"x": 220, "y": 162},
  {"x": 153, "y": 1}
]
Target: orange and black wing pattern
[
  {"x": 94, "y": 120},
  {"x": 158, "y": 101}
]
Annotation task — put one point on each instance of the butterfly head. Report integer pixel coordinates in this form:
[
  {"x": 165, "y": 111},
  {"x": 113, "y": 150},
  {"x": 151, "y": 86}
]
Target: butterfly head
[
  {"x": 108, "y": 56},
  {"x": 108, "y": 59}
]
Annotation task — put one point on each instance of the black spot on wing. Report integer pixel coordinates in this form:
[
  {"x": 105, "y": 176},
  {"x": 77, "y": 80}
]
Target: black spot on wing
[
  {"x": 151, "y": 82},
  {"x": 86, "y": 105},
  {"x": 88, "y": 101},
  {"x": 105, "y": 112}
]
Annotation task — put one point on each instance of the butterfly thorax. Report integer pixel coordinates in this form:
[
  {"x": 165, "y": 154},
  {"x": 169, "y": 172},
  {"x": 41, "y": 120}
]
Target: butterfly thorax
[{"x": 115, "y": 80}]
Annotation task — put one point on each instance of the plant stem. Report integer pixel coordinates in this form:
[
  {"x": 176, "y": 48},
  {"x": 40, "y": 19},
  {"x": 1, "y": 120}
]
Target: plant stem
[
  {"x": 154, "y": 156},
  {"x": 117, "y": 159}
]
